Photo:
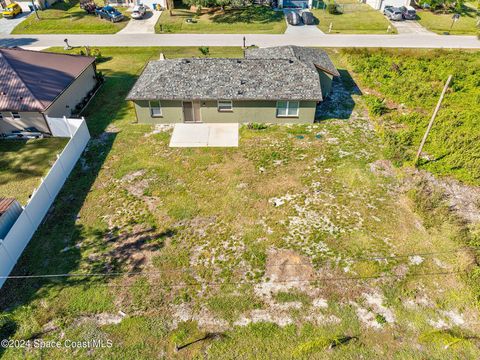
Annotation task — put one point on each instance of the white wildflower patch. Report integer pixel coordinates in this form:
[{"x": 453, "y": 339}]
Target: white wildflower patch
[{"x": 416, "y": 260}]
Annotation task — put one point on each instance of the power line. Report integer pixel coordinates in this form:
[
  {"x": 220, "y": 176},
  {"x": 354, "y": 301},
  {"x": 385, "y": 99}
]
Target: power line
[
  {"x": 293, "y": 281},
  {"x": 116, "y": 274}
]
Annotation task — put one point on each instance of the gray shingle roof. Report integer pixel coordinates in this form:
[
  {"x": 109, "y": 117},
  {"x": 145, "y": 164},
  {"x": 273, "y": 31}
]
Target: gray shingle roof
[
  {"x": 310, "y": 57},
  {"x": 32, "y": 80},
  {"x": 273, "y": 74}
]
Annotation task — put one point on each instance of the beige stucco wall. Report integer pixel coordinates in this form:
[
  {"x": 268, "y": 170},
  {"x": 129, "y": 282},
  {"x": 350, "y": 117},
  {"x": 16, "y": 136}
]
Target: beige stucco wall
[
  {"x": 27, "y": 119},
  {"x": 325, "y": 83},
  {"x": 243, "y": 112},
  {"x": 66, "y": 102}
]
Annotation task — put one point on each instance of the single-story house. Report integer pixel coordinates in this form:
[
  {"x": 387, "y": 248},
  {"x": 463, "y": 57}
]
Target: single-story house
[
  {"x": 27, "y": 5},
  {"x": 380, "y": 4},
  {"x": 271, "y": 85},
  {"x": 10, "y": 210},
  {"x": 38, "y": 84}
]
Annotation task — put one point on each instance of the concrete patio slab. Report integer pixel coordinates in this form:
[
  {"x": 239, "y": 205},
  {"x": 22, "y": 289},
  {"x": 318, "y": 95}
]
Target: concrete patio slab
[{"x": 205, "y": 135}]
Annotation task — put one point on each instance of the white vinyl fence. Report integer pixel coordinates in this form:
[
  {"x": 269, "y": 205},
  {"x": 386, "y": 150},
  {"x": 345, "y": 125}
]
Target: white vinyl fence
[{"x": 33, "y": 213}]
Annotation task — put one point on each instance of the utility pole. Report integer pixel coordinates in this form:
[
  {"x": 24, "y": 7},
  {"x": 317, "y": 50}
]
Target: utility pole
[
  {"x": 430, "y": 124},
  {"x": 35, "y": 9}
]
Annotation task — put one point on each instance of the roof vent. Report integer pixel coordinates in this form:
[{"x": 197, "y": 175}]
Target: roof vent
[
  {"x": 3, "y": 93},
  {"x": 240, "y": 92},
  {"x": 239, "y": 61},
  {"x": 187, "y": 61},
  {"x": 243, "y": 82},
  {"x": 290, "y": 61}
]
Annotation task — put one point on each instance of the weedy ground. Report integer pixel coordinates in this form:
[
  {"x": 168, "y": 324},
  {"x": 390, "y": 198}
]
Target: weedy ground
[{"x": 303, "y": 242}]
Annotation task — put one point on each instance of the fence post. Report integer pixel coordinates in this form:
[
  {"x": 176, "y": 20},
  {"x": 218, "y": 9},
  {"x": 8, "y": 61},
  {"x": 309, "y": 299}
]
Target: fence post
[{"x": 68, "y": 127}]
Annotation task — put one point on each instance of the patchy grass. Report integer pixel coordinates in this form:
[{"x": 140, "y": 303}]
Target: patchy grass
[
  {"x": 357, "y": 18},
  {"x": 23, "y": 163},
  {"x": 249, "y": 20},
  {"x": 67, "y": 18},
  {"x": 222, "y": 270},
  {"x": 404, "y": 80},
  {"x": 441, "y": 23}
]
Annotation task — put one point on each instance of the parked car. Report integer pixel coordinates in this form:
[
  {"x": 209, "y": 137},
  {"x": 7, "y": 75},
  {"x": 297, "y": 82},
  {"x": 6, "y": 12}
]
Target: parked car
[
  {"x": 393, "y": 13},
  {"x": 138, "y": 12},
  {"x": 11, "y": 11},
  {"x": 409, "y": 13},
  {"x": 109, "y": 13},
  {"x": 308, "y": 18},
  {"x": 293, "y": 18}
]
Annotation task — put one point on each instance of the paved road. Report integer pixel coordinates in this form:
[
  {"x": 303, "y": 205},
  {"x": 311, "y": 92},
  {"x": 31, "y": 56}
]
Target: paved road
[{"x": 391, "y": 41}]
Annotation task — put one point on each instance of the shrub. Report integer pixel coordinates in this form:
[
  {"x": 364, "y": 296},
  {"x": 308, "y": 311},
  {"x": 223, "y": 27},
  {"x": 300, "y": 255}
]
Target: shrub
[
  {"x": 376, "y": 106},
  {"x": 333, "y": 9},
  {"x": 257, "y": 126},
  {"x": 205, "y": 50}
]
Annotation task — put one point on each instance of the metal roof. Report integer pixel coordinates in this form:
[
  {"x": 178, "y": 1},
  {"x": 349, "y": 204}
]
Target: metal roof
[
  {"x": 273, "y": 77},
  {"x": 32, "y": 80},
  {"x": 5, "y": 204}
]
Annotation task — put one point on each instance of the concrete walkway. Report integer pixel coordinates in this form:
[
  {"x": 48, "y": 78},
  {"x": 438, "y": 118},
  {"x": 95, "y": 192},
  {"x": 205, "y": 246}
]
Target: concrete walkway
[
  {"x": 262, "y": 40},
  {"x": 205, "y": 135},
  {"x": 7, "y": 25},
  {"x": 143, "y": 26}
]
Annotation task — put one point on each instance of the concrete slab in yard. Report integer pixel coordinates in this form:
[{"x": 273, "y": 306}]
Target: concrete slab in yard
[{"x": 205, "y": 135}]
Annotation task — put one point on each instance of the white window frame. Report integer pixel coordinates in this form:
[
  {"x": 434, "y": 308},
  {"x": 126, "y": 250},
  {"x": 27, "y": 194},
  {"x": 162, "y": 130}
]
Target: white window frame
[
  {"x": 159, "y": 107},
  {"x": 16, "y": 115},
  {"x": 287, "y": 115},
  {"x": 225, "y": 101}
]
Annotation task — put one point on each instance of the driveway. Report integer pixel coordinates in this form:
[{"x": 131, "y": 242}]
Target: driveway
[
  {"x": 301, "y": 30},
  {"x": 411, "y": 27},
  {"x": 143, "y": 26},
  {"x": 7, "y": 25},
  {"x": 205, "y": 135}
]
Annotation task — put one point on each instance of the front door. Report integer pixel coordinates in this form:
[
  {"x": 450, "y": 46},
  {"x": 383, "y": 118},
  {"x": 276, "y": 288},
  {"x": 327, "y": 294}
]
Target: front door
[{"x": 191, "y": 111}]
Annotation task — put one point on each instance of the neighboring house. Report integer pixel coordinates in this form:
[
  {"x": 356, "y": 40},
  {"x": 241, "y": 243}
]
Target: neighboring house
[
  {"x": 297, "y": 4},
  {"x": 271, "y": 85},
  {"x": 10, "y": 210},
  {"x": 27, "y": 5},
  {"x": 36, "y": 84},
  {"x": 380, "y": 4},
  {"x": 148, "y": 3}
]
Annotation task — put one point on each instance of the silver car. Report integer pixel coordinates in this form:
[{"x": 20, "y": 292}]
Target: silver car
[
  {"x": 138, "y": 12},
  {"x": 393, "y": 13}
]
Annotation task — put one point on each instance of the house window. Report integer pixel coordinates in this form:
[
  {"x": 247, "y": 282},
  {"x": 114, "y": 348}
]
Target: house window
[
  {"x": 155, "y": 108},
  {"x": 225, "y": 105},
  {"x": 16, "y": 115},
  {"x": 287, "y": 108}
]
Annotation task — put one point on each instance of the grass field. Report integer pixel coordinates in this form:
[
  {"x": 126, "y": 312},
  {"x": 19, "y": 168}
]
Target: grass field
[
  {"x": 249, "y": 20},
  {"x": 22, "y": 164},
  {"x": 67, "y": 18},
  {"x": 357, "y": 19},
  {"x": 300, "y": 238},
  {"x": 442, "y": 23},
  {"x": 410, "y": 83}
]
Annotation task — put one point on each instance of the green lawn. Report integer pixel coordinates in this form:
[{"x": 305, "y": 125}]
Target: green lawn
[
  {"x": 217, "y": 260},
  {"x": 67, "y": 18},
  {"x": 249, "y": 20},
  {"x": 357, "y": 18},
  {"x": 22, "y": 164},
  {"x": 441, "y": 23}
]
